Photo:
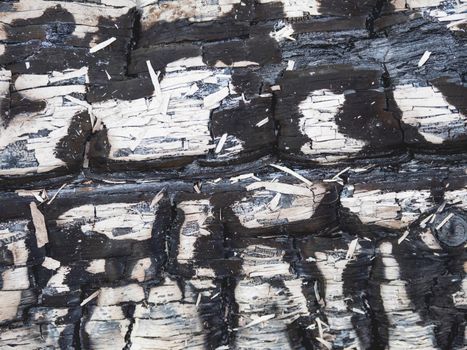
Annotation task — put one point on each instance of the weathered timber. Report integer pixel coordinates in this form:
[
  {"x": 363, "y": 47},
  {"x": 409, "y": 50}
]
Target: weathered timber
[{"x": 233, "y": 174}]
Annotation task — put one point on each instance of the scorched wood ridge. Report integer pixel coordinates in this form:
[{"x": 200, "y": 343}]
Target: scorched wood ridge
[{"x": 233, "y": 174}]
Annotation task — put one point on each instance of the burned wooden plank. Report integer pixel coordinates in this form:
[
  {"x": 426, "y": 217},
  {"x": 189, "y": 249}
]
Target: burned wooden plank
[
  {"x": 339, "y": 282},
  {"x": 268, "y": 174},
  {"x": 48, "y": 138},
  {"x": 327, "y": 114}
]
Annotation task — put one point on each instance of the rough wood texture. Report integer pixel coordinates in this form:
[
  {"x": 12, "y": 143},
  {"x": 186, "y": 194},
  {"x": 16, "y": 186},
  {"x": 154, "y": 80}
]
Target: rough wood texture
[{"x": 233, "y": 174}]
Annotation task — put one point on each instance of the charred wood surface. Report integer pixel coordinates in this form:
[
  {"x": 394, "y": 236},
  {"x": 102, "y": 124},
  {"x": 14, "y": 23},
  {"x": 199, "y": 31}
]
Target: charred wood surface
[{"x": 233, "y": 174}]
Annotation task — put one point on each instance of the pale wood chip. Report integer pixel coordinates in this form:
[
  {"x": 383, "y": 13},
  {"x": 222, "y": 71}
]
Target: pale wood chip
[
  {"x": 424, "y": 58},
  {"x": 341, "y": 172},
  {"x": 238, "y": 178},
  {"x": 293, "y": 173},
  {"x": 155, "y": 80},
  {"x": 56, "y": 193},
  {"x": 259, "y": 320},
  {"x": 320, "y": 327},
  {"x": 39, "y": 224},
  {"x": 157, "y": 198},
  {"x": 316, "y": 290},
  {"x": 89, "y": 298},
  {"x": 403, "y": 237},
  {"x": 358, "y": 311},
  {"x": 216, "y": 97},
  {"x": 102, "y": 45},
  {"x": 274, "y": 203},
  {"x": 446, "y": 219},
  {"x": 351, "y": 250},
  {"x": 262, "y": 122},
  {"x": 78, "y": 102},
  {"x": 50, "y": 263},
  {"x": 425, "y": 221},
  {"x": 221, "y": 143},
  {"x": 281, "y": 188}
]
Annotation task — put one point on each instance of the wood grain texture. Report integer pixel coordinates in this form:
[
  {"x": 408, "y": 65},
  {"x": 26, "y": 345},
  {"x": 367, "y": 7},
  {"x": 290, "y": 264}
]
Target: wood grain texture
[{"x": 233, "y": 174}]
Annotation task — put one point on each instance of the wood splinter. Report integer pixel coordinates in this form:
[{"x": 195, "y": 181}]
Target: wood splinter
[{"x": 39, "y": 224}]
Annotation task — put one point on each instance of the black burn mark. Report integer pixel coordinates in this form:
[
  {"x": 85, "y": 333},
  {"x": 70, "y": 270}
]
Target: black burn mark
[
  {"x": 432, "y": 279},
  {"x": 22, "y": 105},
  {"x": 240, "y": 122},
  {"x": 323, "y": 216},
  {"x": 363, "y": 110},
  {"x": 70, "y": 148},
  {"x": 379, "y": 320},
  {"x": 5, "y": 113},
  {"x": 261, "y": 49},
  {"x": 228, "y": 39},
  {"x": 235, "y": 23},
  {"x": 454, "y": 94},
  {"x": 130, "y": 89},
  {"x": 69, "y": 244},
  {"x": 356, "y": 288},
  {"x": 175, "y": 267},
  {"x": 208, "y": 253},
  {"x": 347, "y": 8},
  {"x": 99, "y": 149},
  {"x": 308, "y": 270},
  {"x": 52, "y": 29},
  {"x": 114, "y": 58}
]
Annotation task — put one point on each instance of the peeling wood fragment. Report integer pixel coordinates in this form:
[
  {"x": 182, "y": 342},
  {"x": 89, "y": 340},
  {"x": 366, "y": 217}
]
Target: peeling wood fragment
[
  {"x": 39, "y": 225},
  {"x": 56, "y": 194},
  {"x": 154, "y": 79},
  {"x": 262, "y": 122},
  {"x": 102, "y": 45},
  {"x": 424, "y": 58},
  {"x": 293, "y": 173},
  {"x": 221, "y": 143},
  {"x": 445, "y": 220},
  {"x": 89, "y": 298},
  {"x": 281, "y": 188}
]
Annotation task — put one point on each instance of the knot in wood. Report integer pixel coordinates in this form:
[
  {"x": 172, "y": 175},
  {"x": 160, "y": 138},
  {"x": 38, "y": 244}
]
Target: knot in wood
[{"x": 450, "y": 227}]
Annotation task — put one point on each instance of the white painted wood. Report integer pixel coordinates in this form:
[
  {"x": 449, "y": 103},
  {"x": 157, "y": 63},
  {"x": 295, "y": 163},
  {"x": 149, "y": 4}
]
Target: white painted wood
[
  {"x": 38, "y": 153},
  {"x": 103, "y": 219},
  {"x": 388, "y": 209},
  {"x": 296, "y": 8},
  {"x": 297, "y": 202},
  {"x": 427, "y": 110},
  {"x": 406, "y": 328},
  {"x": 339, "y": 318},
  {"x": 117, "y": 295},
  {"x": 15, "y": 278},
  {"x": 197, "y": 214},
  {"x": 172, "y": 321},
  {"x": 13, "y": 235},
  {"x": 192, "y": 10},
  {"x": 175, "y": 124},
  {"x": 264, "y": 309},
  {"x": 318, "y": 124}
]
